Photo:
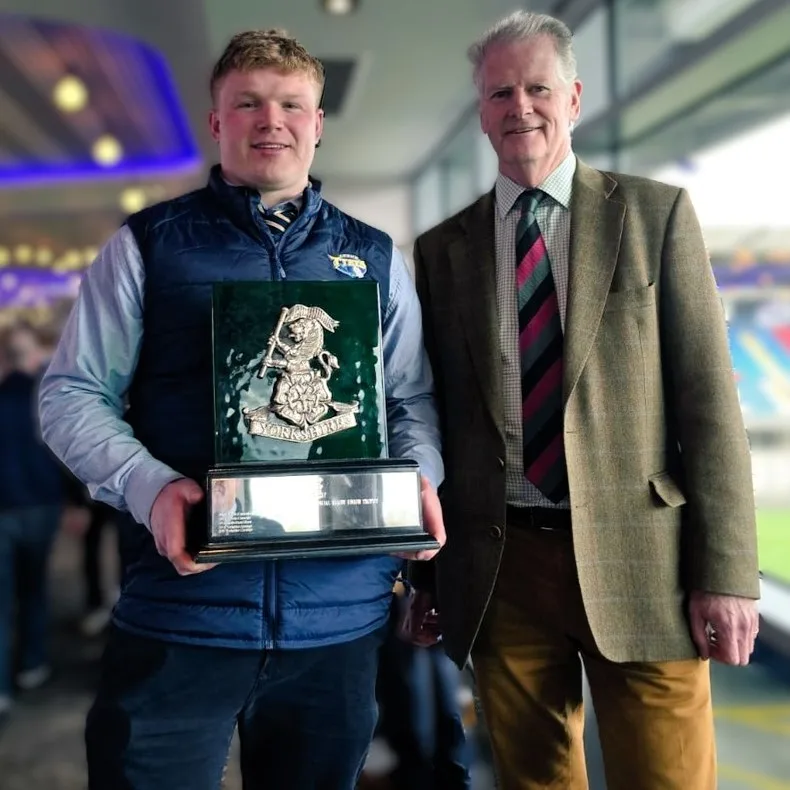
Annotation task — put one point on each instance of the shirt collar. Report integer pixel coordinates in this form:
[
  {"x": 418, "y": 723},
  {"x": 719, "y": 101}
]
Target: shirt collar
[
  {"x": 558, "y": 185},
  {"x": 297, "y": 201}
]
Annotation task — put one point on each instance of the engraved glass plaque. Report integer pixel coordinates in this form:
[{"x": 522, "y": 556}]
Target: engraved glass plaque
[{"x": 301, "y": 466}]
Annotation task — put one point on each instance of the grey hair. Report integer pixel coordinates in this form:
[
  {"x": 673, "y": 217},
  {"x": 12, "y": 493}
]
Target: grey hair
[{"x": 522, "y": 25}]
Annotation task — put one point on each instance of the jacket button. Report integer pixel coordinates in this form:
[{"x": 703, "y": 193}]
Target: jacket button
[{"x": 495, "y": 532}]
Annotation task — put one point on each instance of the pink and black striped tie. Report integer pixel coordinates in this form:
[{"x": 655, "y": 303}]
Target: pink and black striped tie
[{"x": 540, "y": 347}]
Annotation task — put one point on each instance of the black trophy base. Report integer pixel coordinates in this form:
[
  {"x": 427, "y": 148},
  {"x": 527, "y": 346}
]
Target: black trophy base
[
  {"x": 356, "y": 545},
  {"x": 311, "y": 509}
]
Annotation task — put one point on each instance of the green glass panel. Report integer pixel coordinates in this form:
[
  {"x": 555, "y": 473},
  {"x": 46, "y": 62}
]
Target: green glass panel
[{"x": 325, "y": 372}]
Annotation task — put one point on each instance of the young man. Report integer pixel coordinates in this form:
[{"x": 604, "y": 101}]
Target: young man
[
  {"x": 598, "y": 486},
  {"x": 285, "y": 650}
]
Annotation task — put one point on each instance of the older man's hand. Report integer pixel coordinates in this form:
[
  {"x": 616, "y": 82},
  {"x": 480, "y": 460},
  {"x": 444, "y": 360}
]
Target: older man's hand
[
  {"x": 724, "y": 627},
  {"x": 419, "y": 620}
]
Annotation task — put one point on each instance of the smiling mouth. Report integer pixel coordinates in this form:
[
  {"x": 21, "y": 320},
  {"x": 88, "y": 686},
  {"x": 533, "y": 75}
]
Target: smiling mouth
[
  {"x": 269, "y": 146},
  {"x": 523, "y": 131}
]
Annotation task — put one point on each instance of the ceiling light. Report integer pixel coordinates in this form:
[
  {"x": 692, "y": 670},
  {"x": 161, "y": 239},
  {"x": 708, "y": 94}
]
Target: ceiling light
[
  {"x": 133, "y": 200},
  {"x": 339, "y": 7},
  {"x": 70, "y": 94},
  {"x": 107, "y": 151},
  {"x": 69, "y": 261},
  {"x": 73, "y": 257},
  {"x": 5, "y": 256},
  {"x": 43, "y": 256},
  {"x": 23, "y": 254}
]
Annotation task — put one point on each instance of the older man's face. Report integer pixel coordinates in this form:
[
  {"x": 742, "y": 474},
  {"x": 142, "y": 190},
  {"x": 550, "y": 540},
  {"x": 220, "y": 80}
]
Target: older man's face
[{"x": 526, "y": 109}]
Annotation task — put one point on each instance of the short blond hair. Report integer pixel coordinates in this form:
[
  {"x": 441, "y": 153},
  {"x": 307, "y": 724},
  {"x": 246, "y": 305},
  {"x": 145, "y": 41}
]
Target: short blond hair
[{"x": 259, "y": 49}]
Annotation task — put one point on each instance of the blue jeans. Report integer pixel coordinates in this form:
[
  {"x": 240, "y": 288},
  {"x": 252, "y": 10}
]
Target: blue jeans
[
  {"x": 165, "y": 714},
  {"x": 26, "y": 536}
]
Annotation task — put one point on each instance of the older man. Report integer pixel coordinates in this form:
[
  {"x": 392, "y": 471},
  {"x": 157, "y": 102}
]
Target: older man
[{"x": 598, "y": 492}]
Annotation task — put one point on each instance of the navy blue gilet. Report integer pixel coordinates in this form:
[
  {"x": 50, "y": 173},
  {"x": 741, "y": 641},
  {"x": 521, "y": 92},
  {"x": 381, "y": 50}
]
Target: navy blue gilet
[{"x": 210, "y": 235}]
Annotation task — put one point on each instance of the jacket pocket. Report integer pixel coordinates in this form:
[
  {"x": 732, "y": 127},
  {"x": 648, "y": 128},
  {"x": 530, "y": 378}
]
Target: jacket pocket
[
  {"x": 631, "y": 298},
  {"x": 666, "y": 489}
]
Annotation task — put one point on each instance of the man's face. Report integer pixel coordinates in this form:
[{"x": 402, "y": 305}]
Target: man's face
[
  {"x": 525, "y": 108},
  {"x": 267, "y": 123}
]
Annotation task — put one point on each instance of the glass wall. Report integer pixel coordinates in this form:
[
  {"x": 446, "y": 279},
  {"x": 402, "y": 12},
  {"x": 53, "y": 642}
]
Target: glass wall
[
  {"x": 650, "y": 34},
  {"x": 463, "y": 169}
]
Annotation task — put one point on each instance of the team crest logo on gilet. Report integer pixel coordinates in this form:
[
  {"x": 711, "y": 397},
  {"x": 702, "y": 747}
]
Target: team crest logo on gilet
[{"x": 350, "y": 265}]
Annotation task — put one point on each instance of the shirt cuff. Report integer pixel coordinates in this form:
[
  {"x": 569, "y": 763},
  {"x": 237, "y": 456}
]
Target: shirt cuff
[
  {"x": 143, "y": 487},
  {"x": 431, "y": 466}
]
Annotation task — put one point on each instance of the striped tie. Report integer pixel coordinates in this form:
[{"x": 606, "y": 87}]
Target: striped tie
[
  {"x": 540, "y": 347},
  {"x": 279, "y": 218}
]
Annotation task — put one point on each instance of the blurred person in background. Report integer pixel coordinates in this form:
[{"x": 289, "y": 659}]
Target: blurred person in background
[
  {"x": 598, "y": 493},
  {"x": 5, "y": 358},
  {"x": 99, "y": 596},
  {"x": 419, "y": 693},
  {"x": 89, "y": 522},
  {"x": 286, "y": 650},
  {"x": 31, "y": 499},
  {"x": 30, "y": 347}
]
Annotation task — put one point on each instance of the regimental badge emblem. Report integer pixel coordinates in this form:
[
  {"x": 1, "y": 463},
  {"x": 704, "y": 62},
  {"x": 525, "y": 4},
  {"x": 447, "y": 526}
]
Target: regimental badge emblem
[
  {"x": 350, "y": 265},
  {"x": 302, "y": 408}
]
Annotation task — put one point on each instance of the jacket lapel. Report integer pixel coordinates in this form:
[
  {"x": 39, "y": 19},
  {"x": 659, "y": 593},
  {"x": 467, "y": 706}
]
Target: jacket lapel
[
  {"x": 596, "y": 230},
  {"x": 474, "y": 275}
]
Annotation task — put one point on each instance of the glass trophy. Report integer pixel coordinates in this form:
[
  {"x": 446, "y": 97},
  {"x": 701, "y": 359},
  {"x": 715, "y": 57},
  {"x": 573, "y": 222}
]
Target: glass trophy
[{"x": 301, "y": 465}]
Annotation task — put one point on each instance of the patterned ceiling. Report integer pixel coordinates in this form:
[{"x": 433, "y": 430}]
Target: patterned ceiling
[{"x": 131, "y": 106}]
